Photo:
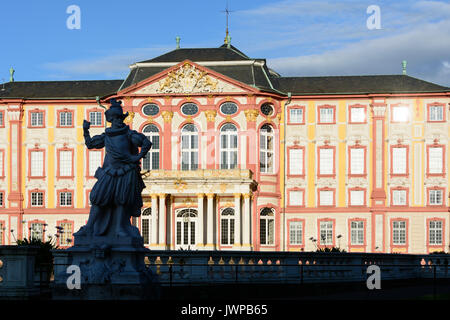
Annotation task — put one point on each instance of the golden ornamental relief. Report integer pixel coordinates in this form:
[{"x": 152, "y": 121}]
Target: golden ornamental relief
[
  {"x": 167, "y": 116},
  {"x": 129, "y": 120},
  {"x": 251, "y": 114},
  {"x": 180, "y": 185},
  {"x": 223, "y": 187},
  {"x": 210, "y": 115},
  {"x": 187, "y": 78}
]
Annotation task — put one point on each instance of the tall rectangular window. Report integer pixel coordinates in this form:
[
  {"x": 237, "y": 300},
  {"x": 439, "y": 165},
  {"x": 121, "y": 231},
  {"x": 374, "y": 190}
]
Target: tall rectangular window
[
  {"x": 399, "y": 160},
  {"x": 2, "y": 235},
  {"x": 435, "y": 232},
  {"x": 399, "y": 232},
  {"x": 357, "y": 161},
  {"x": 435, "y": 197},
  {"x": 357, "y": 197},
  {"x": 326, "y": 197},
  {"x": 399, "y": 198},
  {"x": 296, "y": 197},
  {"x": 1, "y": 163},
  {"x": 37, "y": 231},
  {"x": 37, "y": 163},
  {"x": 66, "y": 234},
  {"x": 95, "y": 118},
  {"x": 296, "y": 115},
  {"x": 296, "y": 161},
  {"x": 326, "y": 233},
  {"x": 1, "y": 199},
  {"x": 326, "y": 161},
  {"x": 357, "y": 232},
  {"x": 65, "y": 163},
  {"x": 65, "y": 119},
  {"x": 2, "y": 120},
  {"x": 436, "y": 113},
  {"x": 326, "y": 115},
  {"x": 37, "y": 119},
  {"x": 435, "y": 160},
  {"x": 95, "y": 161},
  {"x": 37, "y": 199},
  {"x": 295, "y": 232}
]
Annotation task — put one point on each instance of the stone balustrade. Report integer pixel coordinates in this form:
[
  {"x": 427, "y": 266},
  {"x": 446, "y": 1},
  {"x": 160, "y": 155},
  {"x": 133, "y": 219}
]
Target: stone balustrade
[{"x": 200, "y": 267}]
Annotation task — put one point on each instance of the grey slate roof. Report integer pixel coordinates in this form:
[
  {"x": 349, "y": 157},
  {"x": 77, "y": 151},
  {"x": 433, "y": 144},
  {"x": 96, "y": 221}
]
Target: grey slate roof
[
  {"x": 255, "y": 75},
  {"x": 201, "y": 54},
  {"x": 355, "y": 85},
  {"x": 59, "y": 89}
]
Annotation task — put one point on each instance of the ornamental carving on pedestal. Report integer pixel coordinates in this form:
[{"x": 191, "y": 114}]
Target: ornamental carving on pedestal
[{"x": 187, "y": 78}]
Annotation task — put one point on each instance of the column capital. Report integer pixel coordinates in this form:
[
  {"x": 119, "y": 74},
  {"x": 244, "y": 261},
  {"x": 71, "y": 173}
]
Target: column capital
[
  {"x": 247, "y": 195},
  {"x": 162, "y": 195},
  {"x": 200, "y": 195},
  {"x": 154, "y": 195},
  {"x": 237, "y": 195},
  {"x": 210, "y": 195}
]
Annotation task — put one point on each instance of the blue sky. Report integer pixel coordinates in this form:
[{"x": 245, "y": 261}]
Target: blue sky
[{"x": 298, "y": 38}]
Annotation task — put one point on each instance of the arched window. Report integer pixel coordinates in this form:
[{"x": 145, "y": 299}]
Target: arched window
[
  {"x": 146, "y": 224},
  {"x": 185, "y": 234},
  {"x": 267, "y": 226},
  {"x": 151, "y": 160},
  {"x": 189, "y": 147},
  {"x": 227, "y": 226},
  {"x": 266, "y": 147},
  {"x": 228, "y": 146}
]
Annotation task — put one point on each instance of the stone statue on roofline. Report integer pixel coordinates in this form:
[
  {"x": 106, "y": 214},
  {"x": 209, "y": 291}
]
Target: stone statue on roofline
[{"x": 116, "y": 196}]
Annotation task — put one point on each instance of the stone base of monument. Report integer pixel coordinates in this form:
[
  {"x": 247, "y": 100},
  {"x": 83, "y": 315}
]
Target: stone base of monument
[{"x": 103, "y": 268}]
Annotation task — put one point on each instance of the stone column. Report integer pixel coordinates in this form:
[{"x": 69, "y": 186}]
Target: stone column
[
  {"x": 237, "y": 219},
  {"x": 200, "y": 241},
  {"x": 210, "y": 222},
  {"x": 247, "y": 222},
  {"x": 154, "y": 230},
  {"x": 162, "y": 220}
]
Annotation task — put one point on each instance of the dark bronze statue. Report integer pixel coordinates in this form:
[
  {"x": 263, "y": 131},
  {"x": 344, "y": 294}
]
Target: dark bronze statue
[{"x": 116, "y": 196}]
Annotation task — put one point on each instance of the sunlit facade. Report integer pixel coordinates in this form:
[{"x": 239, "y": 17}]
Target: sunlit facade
[{"x": 242, "y": 158}]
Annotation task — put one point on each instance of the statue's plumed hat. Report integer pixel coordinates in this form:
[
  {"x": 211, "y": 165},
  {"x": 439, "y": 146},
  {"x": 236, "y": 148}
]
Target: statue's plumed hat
[{"x": 115, "y": 110}]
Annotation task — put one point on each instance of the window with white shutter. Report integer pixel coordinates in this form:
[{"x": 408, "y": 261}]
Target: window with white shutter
[
  {"x": 435, "y": 160},
  {"x": 326, "y": 161},
  {"x": 296, "y": 161},
  {"x": 357, "y": 161},
  {"x": 399, "y": 160},
  {"x": 37, "y": 163}
]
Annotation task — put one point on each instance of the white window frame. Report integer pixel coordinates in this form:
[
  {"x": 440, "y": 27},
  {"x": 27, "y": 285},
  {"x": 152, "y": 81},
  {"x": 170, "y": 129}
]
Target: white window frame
[
  {"x": 37, "y": 119},
  {"x": 228, "y": 146},
  {"x": 37, "y": 199},
  {"x": 96, "y": 118},
  {"x": 227, "y": 227},
  {"x": 66, "y": 233},
  {"x": 266, "y": 149},
  {"x": 326, "y": 115},
  {"x": 326, "y": 233},
  {"x": 356, "y": 195},
  {"x": 326, "y": 161},
  {"x": 65, "y": 199},
  {"x": 65, "y": 163},
  {"x": 296, "y": 233},
  {"x": 357, "y": 161},
  {"x": 189, "y": 150},
  {"x": 296, "y": 156},
  {"x": 65, "y": 119},
  {"x": 325, "y": 195},
  {"x": 399, "y": 232},
  {"x": 296, "y": 115},
  {"x": 37, "y": 231},
  {"x": 357, "y": 232},
  {"x": 435, "y": 232},
  {"x": 435, "y": 160},
  {"x": 400, "y": 114},
  {"x": 399, "y": 160},
  {"x": 95, "y": 161},
  {"x": 356, "y": 117},
  {"x": 399, "y": 197},
  {"x": 296, "y": 197},
  {"x": 36, "y": 163},
  {"x": 267, "y": 227},
  {"x": 436, "y": 113},
  {"x": 151, "y": 160},
  {"x": 435, "y": 197}
]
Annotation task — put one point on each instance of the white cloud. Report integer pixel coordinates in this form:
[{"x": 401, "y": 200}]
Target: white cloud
[{"x": 427, "y": 50}]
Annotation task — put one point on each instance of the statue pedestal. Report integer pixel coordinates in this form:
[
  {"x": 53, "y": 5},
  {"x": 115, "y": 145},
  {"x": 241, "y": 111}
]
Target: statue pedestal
[{"x": 110, "y": 268}]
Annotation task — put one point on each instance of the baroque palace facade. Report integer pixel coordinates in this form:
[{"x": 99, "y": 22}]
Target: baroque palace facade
[{"x": 242, "y": 158}]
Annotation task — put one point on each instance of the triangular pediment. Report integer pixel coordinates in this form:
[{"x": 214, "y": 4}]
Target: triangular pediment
[{"x": 188, "y": 78}]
